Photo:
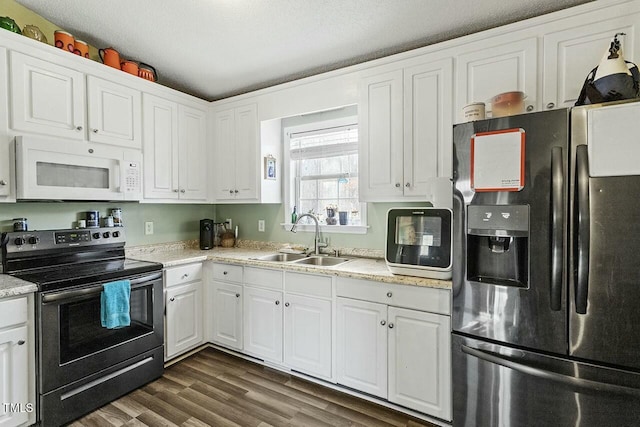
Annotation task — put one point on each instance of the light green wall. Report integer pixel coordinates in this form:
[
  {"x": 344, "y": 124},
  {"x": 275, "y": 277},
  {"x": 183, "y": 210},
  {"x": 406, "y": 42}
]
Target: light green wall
[
  {"x": 170, "y": 222},
  {"x": 246, "y": 218}
]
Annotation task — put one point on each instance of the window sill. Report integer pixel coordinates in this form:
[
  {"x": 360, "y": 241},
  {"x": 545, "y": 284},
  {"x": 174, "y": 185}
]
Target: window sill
[{"x": 337, "y": 229}]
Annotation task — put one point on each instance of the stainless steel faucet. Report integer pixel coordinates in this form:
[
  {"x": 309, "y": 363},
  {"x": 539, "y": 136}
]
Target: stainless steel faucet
[{"x": 317, "y": 243}]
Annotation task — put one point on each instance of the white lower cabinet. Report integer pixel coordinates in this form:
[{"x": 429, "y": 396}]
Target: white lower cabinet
[
  {"x": 184, "y": 297},
  {"x": 17, "y": 354},
  {"x": 307, "y": 335},
  {"x": 227, "y": 315},
  {"x": 263, "y": 323},
  {"x": 399, "y": 354}
]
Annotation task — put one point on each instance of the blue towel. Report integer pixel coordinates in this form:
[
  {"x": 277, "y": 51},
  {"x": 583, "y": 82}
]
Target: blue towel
[{"x": 114, "y": 304}]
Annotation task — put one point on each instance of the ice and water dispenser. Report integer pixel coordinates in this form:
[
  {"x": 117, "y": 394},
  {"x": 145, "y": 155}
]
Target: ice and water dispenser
[{"x": 498, "y": 244}]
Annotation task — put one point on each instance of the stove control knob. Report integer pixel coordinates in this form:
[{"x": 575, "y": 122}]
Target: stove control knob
[
  {"x": 106, "y": 234},
  {"x": 116, "y": 234},
  {"x": 19, "y": 241},
  {"x": 96, "y": 235},
  {"x": 34, "y": 240}
]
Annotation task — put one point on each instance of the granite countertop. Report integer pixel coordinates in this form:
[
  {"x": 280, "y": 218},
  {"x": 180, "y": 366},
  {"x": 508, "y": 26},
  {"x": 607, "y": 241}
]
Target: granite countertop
[
  {"x": 357, "y": 267},
  {"x": 11, "y": 286}
]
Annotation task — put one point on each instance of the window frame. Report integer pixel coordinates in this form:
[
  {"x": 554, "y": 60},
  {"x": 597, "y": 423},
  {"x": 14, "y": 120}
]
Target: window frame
[{"x": 289, "y": 180}]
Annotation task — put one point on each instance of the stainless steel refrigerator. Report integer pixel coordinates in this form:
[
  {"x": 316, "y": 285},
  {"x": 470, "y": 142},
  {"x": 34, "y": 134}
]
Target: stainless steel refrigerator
[{"x": 546, "y": 275}]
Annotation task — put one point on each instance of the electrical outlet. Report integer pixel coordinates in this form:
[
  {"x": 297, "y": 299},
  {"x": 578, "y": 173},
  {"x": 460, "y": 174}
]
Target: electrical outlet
[
  {"x": 261, "y": 225},
  {"x": 148, "y": 227},
  {"x": 229, "y": 223}
]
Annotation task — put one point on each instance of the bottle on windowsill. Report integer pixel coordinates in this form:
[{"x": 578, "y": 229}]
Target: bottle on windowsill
[{"x": 294, "y": 216}]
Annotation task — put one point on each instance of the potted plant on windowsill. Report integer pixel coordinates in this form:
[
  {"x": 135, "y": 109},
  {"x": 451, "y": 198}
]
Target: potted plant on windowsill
[{"x": 331, "y": 214}]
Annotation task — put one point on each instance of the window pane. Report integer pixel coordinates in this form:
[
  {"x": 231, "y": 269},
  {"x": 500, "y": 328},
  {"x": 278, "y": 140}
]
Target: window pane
[
  {"x": 310, "y": 167},
  {"x": 348, "y": 188},
  {"x": 309, "y": 189},
  {"x": 331, "y": 165},
  {"x": 328, "y": 188}
]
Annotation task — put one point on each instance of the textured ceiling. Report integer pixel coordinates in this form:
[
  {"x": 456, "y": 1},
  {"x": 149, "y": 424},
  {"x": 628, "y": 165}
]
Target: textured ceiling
[{"x": 218, "y": 48}]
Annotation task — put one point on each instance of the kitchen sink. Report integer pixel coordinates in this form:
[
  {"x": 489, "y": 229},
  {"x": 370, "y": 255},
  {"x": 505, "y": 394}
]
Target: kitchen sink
[
  {"x": 324, "y": 261},
  {"x": 282, "y": 257}
]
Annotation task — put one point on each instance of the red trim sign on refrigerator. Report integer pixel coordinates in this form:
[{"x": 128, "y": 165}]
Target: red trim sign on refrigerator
[{"x": 497, "y": 160}]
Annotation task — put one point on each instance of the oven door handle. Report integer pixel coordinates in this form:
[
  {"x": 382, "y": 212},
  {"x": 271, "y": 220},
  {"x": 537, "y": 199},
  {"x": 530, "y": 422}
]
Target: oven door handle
[{"x": 136, "y": 283}]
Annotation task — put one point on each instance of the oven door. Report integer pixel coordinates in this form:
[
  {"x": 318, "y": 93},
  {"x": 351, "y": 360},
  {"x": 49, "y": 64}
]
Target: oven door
[{"x": 72, "y": 342}]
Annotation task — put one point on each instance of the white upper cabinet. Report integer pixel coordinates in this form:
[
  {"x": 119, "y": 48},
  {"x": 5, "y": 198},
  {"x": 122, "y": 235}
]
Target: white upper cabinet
[
  {"x": 493, "y": 66},
  {"x": 46, "y": 98},
  {"x": 236, "y": 148},
  {"x": 175, "y": 156},
  {"x": 51, "y": 99},
  {"x": 114, "y": 113},
  {"x": 6, "y": 178},
  {"x": 405, "y": 119},
  {"x": 571, "y": 53}
]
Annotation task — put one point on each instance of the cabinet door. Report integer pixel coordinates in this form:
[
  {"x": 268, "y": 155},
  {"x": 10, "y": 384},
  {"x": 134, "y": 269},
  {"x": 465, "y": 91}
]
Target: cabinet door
[
  {"x": 5, "y": 142},
  {"x": 14, "y": 373},
  {"x": 225, "y": 154},
  {"x": 193, "y": 153},
  {"x": 46, "y": 98},
  {"x": 246, "y": 161},
  {"x": 362, "y": 346},
  {"x": 114, "y": 113},
  {"x": 307, "y": 335},
  {"x": 263, "y": 323},
  {"x": 184, "y": 318},
  {"x": 420, "y": 361},
  {"x": 160, "y": 148},
  {"x": 380, "y": 155},
  {"x": 428, "y": 113},
  {"x": 570, "y": 54},
  {"x": 227, "y": 315},
  {"x": 492, "y": 68}
]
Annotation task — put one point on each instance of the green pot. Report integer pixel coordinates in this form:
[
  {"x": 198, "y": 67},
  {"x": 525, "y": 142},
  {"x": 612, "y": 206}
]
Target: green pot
[{"x": 9, "y": 24}]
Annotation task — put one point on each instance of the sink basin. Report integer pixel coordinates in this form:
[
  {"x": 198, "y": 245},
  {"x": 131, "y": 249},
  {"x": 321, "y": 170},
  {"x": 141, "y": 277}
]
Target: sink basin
[
  {"x": 322, "y": 261},
  {"x": 282, "y": 257}
]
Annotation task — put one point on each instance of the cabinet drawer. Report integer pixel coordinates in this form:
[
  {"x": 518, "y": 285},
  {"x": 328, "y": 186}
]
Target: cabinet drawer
[
  {"x": 263, "y": 277},
  {"x": 227, "y": 272},
  {"x": 416, "y": 297},
  {"x": 183, "y": 274},
  {"x": 308, "y": 284},
  {"x": 13, "y": 312}
]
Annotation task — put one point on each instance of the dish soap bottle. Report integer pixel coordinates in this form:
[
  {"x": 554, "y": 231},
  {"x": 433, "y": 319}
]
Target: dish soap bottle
[{"x": 294, "y": 216}]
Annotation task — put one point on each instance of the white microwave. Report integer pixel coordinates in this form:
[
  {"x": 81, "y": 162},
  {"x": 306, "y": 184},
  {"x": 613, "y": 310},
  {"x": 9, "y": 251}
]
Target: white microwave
[
  {"x": 54, "y": 169},
  {"x": 419, "y": 242}
]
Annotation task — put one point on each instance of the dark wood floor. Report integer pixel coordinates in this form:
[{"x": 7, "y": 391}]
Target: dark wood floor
[{"x": 212, "y": 388}]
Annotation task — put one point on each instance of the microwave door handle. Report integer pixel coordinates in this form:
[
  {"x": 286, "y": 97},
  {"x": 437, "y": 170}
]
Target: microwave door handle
[
  {"x": 583, "y": 222},
  {"x": 121, "y": 176},
  {"x": 557, "y": 226}
]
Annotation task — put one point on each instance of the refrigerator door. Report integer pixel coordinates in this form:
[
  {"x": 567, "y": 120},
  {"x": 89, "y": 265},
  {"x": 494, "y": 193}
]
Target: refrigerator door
[
  {"x": 527, "y": 309},
  {"x": 496, "y": 385},
  {"x": 605, "y": 257}
]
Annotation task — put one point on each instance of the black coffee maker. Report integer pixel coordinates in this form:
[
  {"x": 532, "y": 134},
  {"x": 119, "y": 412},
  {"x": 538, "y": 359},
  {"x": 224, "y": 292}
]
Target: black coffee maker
[{"x": 207, "y": 234}]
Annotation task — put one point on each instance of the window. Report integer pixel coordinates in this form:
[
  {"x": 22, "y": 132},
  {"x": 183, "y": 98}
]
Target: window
[{"x": 323, "y": 174}]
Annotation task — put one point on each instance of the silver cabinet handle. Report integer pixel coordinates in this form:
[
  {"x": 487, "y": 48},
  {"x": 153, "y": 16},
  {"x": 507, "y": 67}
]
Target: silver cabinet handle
[
  {"x": 389, "y": 294},
  {"x": 175, "y": 190},
  {"x": 397, "y": 185},
  {"x": 78, "y": 128},
  {"x": 286, "y": 304},
  {"x": 230, "y": 191},
  {"x": 390, "y": 325},
  {"x": 235, "y": 191},
  {"x": 225, "y": 273},
  {"x": 183, "y": 190},
  {"x": 383, "y": 322},
  {"x": 277, "y": 302},
  {"x": 94, "y": 130},
  {"x": 172, "y": 299},
  {"x": 550, "y": 105},
  {"x": 3, "y": 182},
  {"x": 185, "y": 275},
  {"x": 237, "y": 295},
  {"x": 21, "y": 342},
  {"x": 408, "y": 184},
  {"x": 529, "y": 108}
]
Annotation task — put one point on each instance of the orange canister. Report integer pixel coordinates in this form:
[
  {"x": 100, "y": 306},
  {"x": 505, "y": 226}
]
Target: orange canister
[
  {"x": 110, "y": 57},
  {"x": 64, "y": 40},
  {"x": 81, "y": 48},
  {"x": 130, "y": 67}
]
